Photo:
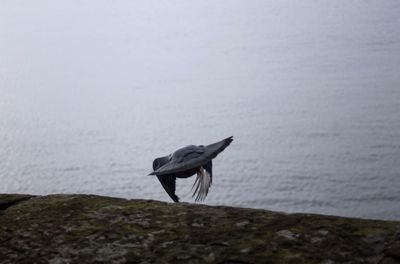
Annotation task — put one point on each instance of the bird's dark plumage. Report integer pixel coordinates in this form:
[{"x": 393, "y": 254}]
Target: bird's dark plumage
[{"x": 186, "y": 162}]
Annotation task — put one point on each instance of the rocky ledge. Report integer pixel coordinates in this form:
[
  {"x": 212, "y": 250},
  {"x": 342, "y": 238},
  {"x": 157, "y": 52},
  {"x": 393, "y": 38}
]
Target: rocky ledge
[{"x": 95, "y": 229}]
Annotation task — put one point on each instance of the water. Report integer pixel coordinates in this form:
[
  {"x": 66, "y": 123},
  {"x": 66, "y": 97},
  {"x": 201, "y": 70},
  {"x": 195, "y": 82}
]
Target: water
[{"x": 92, "y": 91}]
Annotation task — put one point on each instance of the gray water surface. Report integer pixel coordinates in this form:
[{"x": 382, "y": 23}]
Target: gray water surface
[{"x": 92, "y": 91}]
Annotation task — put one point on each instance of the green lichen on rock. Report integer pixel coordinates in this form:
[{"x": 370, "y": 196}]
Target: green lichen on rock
[{"x": 95, "y": 229}]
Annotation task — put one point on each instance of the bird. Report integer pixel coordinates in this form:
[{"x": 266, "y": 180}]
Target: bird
[{"x": 186, "y": 162}]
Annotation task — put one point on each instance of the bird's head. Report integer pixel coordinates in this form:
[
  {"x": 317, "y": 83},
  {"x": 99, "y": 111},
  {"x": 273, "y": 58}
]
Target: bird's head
[
  {"x": 159, "y": 162},
  {"x": 156, "y": 164}
]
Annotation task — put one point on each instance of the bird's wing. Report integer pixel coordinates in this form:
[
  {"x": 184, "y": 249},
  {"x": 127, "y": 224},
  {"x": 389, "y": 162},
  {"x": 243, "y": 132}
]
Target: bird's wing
[
  {"x": 214, "y": 149},
  {"x": 168, "y": 182},
  {"x": 192, "y": 156}
]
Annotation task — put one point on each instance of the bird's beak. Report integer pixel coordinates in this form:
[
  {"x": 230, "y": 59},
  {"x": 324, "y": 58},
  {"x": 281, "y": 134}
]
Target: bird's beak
[{"x": 151, "y": 174}]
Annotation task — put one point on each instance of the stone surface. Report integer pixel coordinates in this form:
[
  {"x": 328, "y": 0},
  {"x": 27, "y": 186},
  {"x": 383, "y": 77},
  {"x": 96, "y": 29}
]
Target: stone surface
[{"x": 84, "y": 228}]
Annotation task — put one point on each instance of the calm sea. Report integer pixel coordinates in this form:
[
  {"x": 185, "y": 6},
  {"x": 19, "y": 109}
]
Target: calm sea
[{"x": 92, "y": 91}]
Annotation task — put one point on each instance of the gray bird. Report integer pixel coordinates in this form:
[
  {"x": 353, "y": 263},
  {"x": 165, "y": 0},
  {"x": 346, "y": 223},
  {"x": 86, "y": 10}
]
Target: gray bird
[{"x": 186, "y": 162}]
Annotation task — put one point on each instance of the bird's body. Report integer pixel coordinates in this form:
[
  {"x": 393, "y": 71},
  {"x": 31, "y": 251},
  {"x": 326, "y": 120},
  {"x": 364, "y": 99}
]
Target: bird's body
[{"x": 186, "y": 162}]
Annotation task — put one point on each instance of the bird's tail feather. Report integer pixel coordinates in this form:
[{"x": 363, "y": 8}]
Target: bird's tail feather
[{"x": 203, "y": 183}]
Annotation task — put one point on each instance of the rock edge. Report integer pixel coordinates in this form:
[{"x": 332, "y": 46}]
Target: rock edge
[{"x": 96, "y": 229}]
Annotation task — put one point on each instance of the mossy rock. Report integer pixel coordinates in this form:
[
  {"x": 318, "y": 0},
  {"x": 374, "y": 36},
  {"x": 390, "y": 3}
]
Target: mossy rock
[{"x": 95, "y": 229}]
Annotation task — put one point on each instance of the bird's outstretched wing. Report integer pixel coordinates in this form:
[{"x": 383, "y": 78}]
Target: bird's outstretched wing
[
  {"x": 168, "y": 182},
  {"x": 192, "y": 157}
]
